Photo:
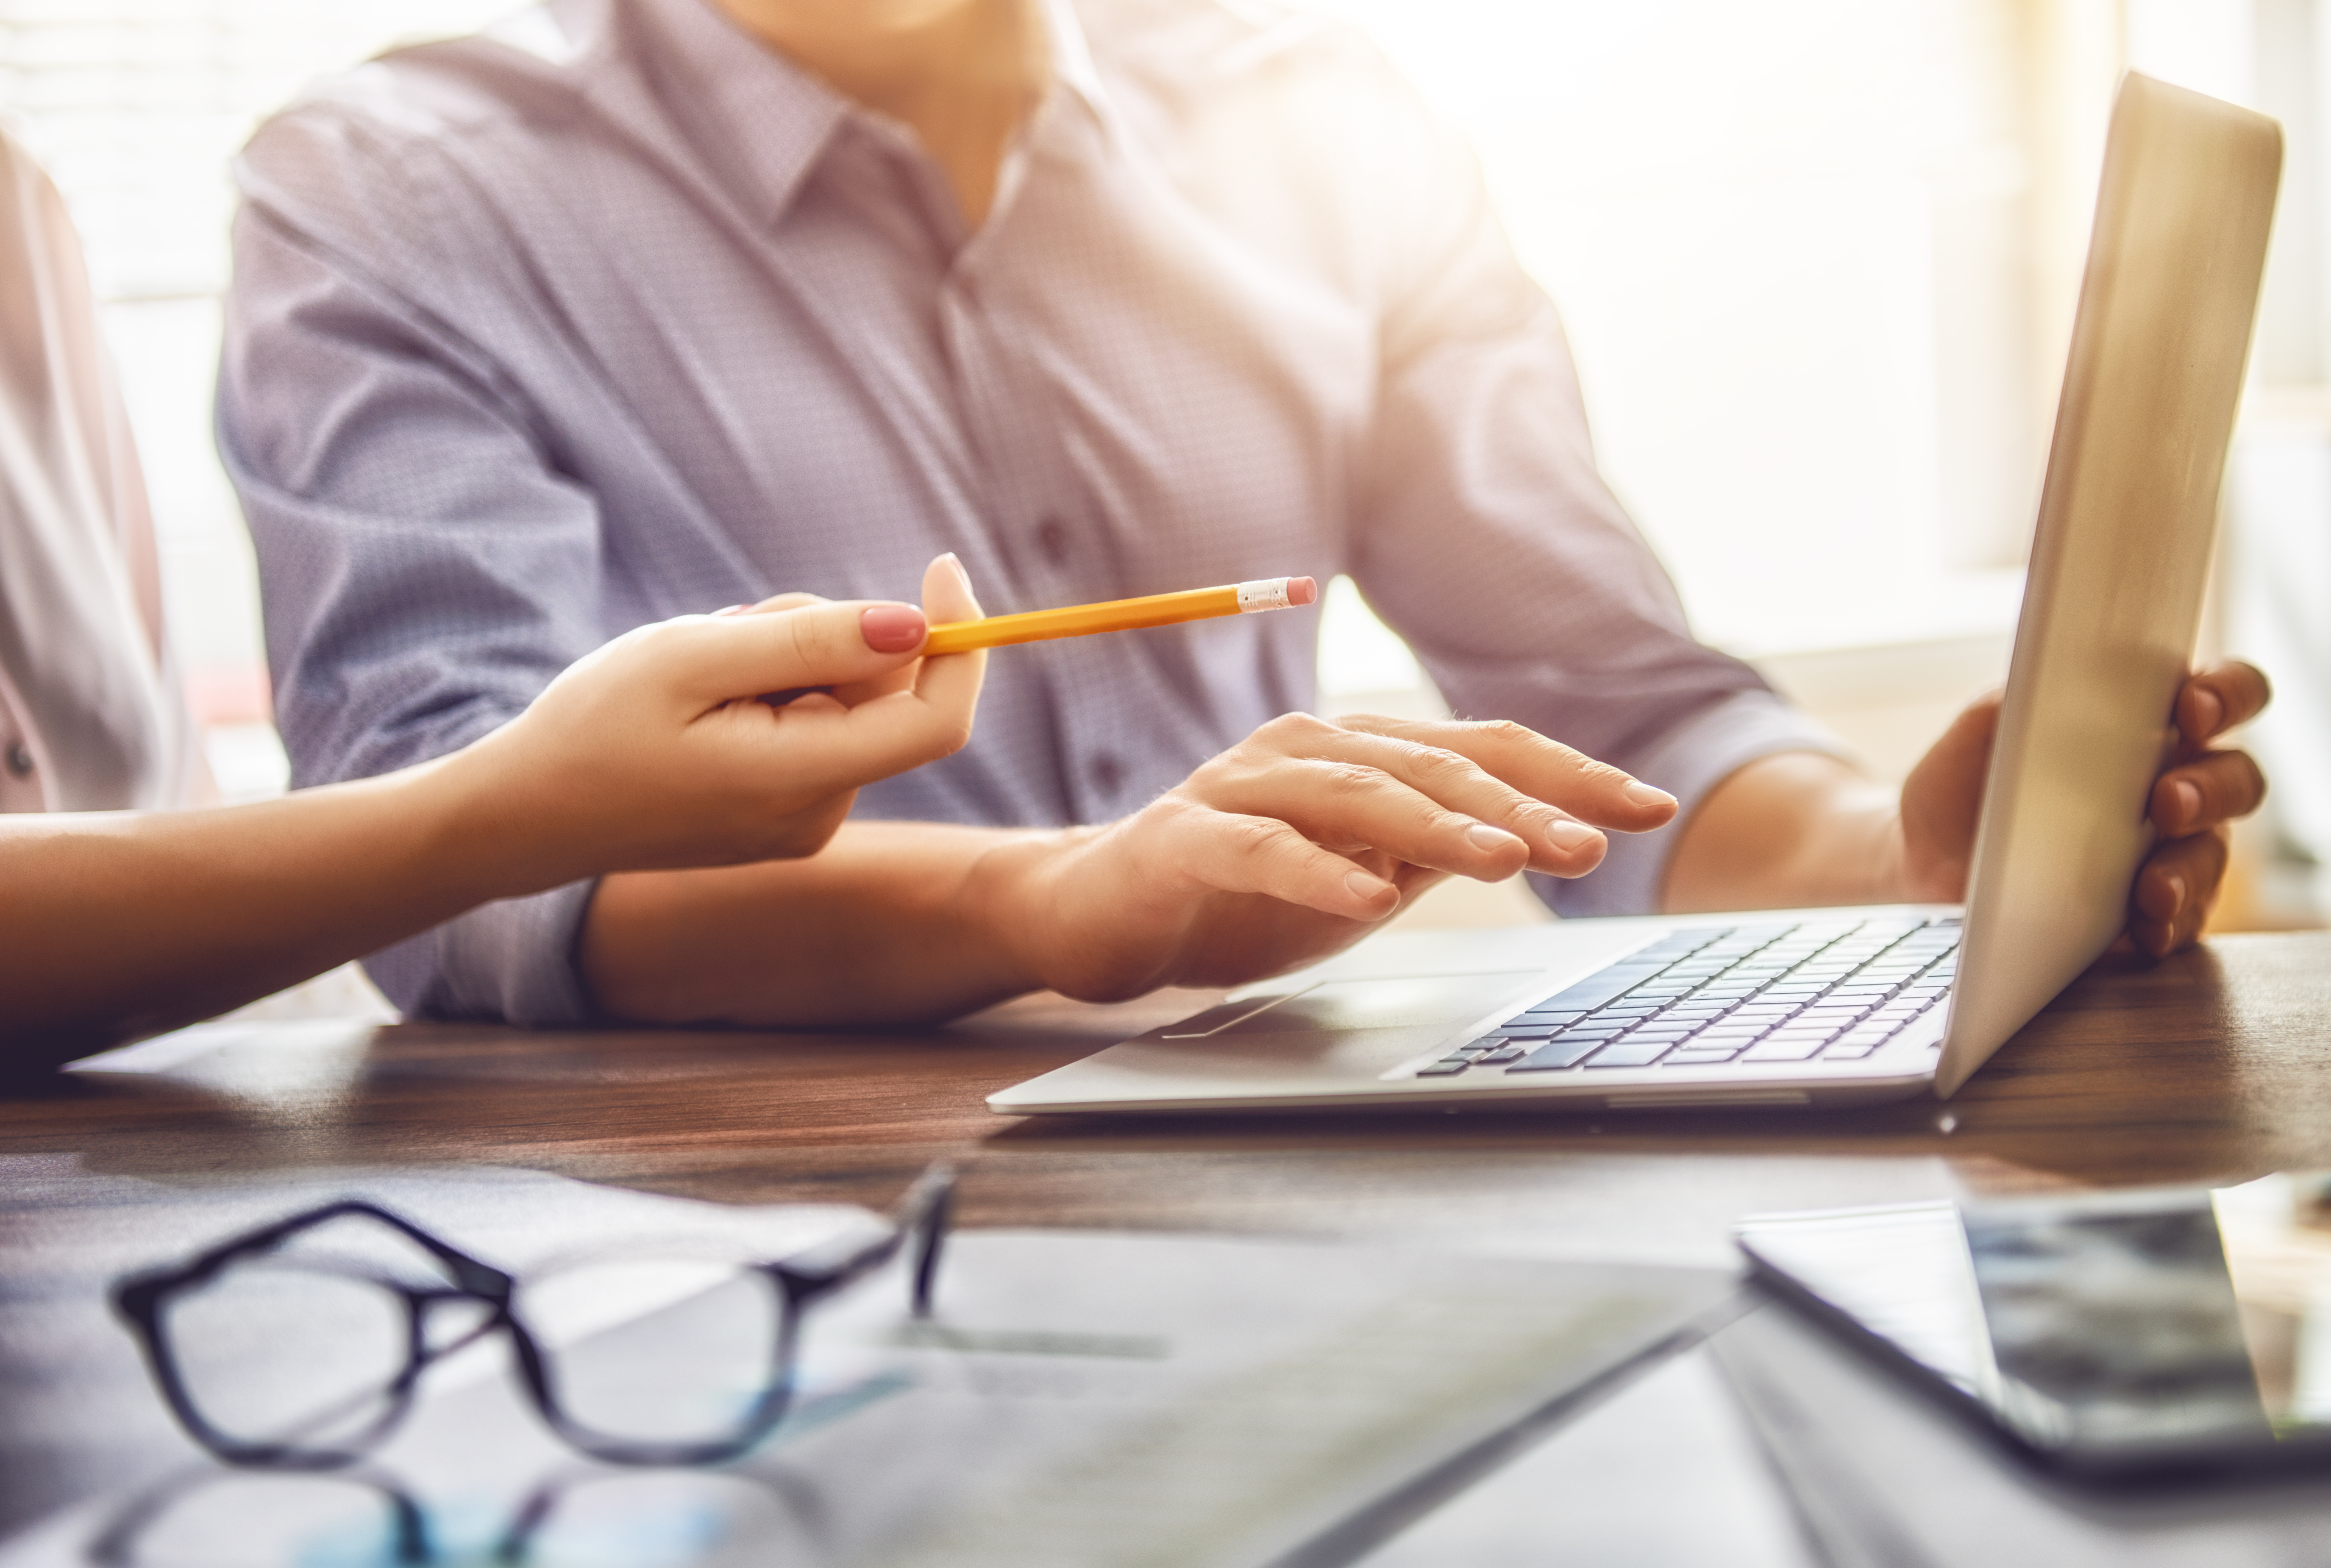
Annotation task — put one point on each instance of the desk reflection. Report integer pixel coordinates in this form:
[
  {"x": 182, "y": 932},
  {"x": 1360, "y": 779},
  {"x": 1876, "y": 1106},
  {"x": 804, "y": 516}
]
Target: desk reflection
[{"x": 573, "y": 1516}]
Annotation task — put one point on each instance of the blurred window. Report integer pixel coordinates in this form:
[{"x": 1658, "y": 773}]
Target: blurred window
[
  {"x": 1816, "y": 257},
  {"x": 136, "y": 107}
]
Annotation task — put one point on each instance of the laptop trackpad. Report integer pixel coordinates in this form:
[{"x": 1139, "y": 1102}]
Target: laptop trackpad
[
  {"x": 1347, "y": 1027},
  {"x": 1442, "y": 1001}
]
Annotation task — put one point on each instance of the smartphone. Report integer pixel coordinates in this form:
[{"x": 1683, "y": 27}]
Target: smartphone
[{"x": 2138, "y": 1333}]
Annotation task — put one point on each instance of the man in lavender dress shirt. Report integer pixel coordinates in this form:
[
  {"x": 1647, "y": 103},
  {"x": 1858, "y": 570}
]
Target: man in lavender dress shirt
[{"x": 630, "y": 308}]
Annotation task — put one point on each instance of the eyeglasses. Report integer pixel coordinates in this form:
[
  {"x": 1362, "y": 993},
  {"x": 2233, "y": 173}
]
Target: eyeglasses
[{"x": 298, "y": 1346}]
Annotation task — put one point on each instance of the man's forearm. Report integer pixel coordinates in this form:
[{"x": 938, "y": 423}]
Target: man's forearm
[
  {"x": 891, "y": 922},
  {"x": 1792, "y": 831}
]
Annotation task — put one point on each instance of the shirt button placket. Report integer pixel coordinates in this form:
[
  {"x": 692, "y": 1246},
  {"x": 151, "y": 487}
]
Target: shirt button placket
[{"x": 19, "y": 790}]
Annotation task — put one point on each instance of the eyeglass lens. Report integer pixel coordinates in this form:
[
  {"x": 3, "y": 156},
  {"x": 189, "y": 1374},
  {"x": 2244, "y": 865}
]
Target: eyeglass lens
[
  {"x": 286, "y": 1350},
  {"x": 677, "y": 1350}
]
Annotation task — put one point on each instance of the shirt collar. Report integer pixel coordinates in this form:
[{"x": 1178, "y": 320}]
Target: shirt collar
[
  {"x": 765, "y": 120},
  {"x": 1072, "y": 61},
  {"x": 754, "y": 113}
]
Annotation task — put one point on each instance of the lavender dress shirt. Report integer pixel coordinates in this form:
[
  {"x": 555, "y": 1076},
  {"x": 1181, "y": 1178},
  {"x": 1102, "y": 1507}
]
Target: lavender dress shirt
[{"x": 612, "y": 313}]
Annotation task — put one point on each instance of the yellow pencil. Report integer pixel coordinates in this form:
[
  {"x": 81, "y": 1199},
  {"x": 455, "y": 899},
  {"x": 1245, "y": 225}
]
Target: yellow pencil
[{"x": 1122, "y": 614}]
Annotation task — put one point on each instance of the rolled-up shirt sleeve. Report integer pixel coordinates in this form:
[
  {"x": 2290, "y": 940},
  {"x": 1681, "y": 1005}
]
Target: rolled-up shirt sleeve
[
  {"x": 1489, "y": 540},
  {"x": 426, "y": 570}
]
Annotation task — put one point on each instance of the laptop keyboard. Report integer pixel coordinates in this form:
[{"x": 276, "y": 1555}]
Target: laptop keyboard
[{"x": 1832, "y": 990}]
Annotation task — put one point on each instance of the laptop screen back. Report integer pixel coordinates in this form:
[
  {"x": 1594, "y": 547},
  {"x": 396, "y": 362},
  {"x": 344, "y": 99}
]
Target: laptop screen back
[{"x": 2127, "y": 523}]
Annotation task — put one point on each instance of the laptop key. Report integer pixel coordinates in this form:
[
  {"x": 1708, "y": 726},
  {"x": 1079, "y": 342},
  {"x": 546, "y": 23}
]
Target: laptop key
[
  {"x": 1603, "y": 986},
  {"x": 1631, "y": 1051},
  {"x": 1443, "y": 1069},
  {"x": 1566, "y": 1052},
  {"x": 1783, "y": 1051}
]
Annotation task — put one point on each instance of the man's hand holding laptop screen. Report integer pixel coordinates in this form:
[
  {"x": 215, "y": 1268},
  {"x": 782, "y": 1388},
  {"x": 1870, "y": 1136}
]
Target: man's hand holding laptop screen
[
  {"x": 2202, "y": 791},
  {"x": 1804, "y": 829}
]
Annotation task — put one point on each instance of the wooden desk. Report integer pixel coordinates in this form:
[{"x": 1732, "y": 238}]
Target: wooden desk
[{"x": 2211, "y": 1067}]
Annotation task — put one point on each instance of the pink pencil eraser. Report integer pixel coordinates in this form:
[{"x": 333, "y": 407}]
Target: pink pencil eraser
[{"x": 1301, "y": 590}]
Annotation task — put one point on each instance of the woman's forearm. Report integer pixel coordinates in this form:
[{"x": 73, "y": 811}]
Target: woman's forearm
[
  {"x": 640, "y": 755},
  {"x": 118, "y": 924}
]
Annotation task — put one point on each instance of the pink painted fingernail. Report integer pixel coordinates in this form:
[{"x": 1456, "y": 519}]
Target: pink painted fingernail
[
  {"x": 1363, "y": 885},
  {"x": 2188, "y": 796},
  {"x": 731, "y": 610},
  {"x": 1568, "y": 836},
  {"x": 891, "y": 628},
  {"x": 2177, "y": 892},
  {"x": 1643, "y": 794}
]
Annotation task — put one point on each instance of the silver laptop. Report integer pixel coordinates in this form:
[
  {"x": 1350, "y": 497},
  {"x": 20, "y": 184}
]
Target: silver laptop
[{"x": 1840, "y": 1006}]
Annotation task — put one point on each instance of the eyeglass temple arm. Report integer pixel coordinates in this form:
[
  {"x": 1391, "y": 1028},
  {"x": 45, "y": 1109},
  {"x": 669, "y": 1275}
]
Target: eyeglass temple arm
[
  {"x": 923, "y": 1215},
  {"x": 928, "y": 1208}
]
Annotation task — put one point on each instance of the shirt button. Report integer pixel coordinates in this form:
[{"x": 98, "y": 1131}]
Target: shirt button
[
  {"x": 1107, "y": 772},
  {"x": 1052, "y": 538},
  {"x": 19, "y": 759}
]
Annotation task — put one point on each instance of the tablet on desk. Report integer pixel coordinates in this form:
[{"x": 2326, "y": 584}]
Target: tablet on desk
[{"x": 2110, "y": 1335}]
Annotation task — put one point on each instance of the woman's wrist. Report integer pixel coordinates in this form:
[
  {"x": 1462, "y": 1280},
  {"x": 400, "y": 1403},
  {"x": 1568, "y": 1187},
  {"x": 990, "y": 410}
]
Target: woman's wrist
[{"x": 476, "y": 820}]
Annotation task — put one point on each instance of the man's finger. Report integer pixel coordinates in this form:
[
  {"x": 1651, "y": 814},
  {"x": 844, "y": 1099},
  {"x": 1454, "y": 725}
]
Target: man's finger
[
  {"x": 1593, "y": 791},
  {"x": 1419, "y": 804},
  {"x": 1234, "y": 853},
  {"x": 2219, "y": 698},
  {"x": 2208, "y": 789},
  {"x": 1348, "y": 807},
  {"x": 1554, "y": 839},
  {"x": 2174, "y": 891}
]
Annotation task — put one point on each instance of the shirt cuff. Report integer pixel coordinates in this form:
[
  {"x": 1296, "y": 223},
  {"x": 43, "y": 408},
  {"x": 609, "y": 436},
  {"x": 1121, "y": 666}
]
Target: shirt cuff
[
  {"x": 512, "y": 961},
  {"x": 1687, "y": 762}
]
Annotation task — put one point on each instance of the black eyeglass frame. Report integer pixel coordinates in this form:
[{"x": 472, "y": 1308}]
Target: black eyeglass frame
[{"x": 801, "y": 1280}]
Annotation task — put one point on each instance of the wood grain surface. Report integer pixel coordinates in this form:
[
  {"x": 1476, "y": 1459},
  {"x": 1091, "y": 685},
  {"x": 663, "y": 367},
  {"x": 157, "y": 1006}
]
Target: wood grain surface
[{"x": 2214, "y": 1065}]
